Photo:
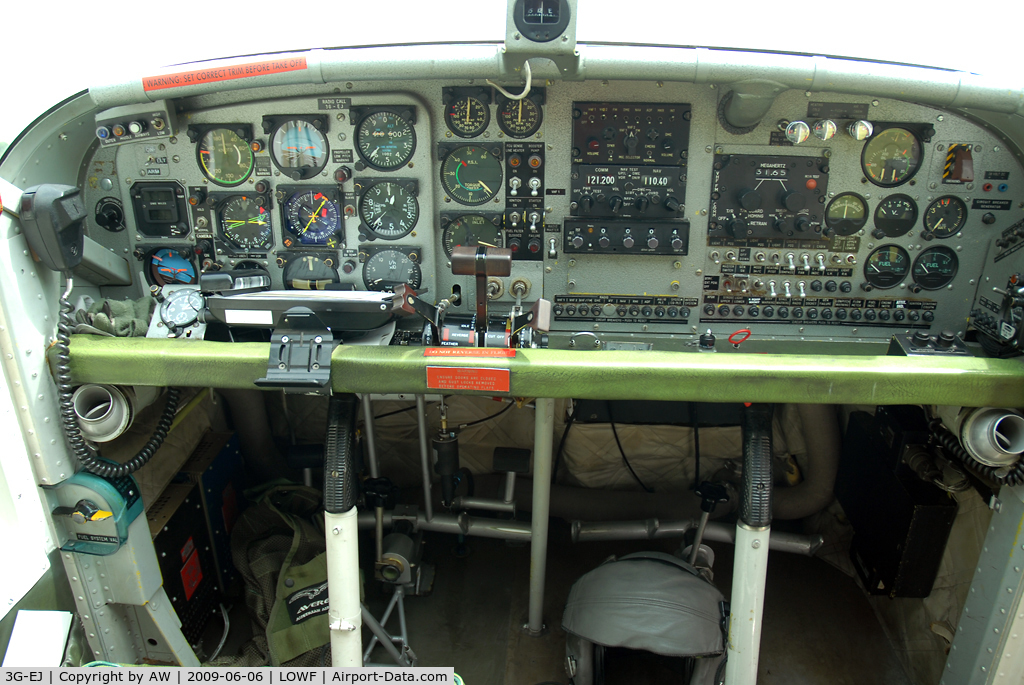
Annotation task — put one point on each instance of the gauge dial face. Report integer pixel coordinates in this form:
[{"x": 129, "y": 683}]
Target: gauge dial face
[
  {"x": 389, "y": 210},
  {"x": 313, "y": 218},
  {"x": 224, "y": 157},
  {"x": 896, "y": 215},
  {"x": 310, "y": 272},
  {"x": 846, "y": 214},
  {"x": 389, "y": 268},
  {"x": 935, "y": 268},
  {"x": 182, "y": 307},
  {"x": 385, "y": 141},
  {"x": 467, "y": 117},
  {"x": 299, "y": 149},
  {"x": 891, "y": 157},
  {"x": 887, "y": 267},
  {"x": 168, "y": 266},
  {"x": 945, "y": 217},
  {"x": 245, "y": 224},
  {"x": 471, "y": 175},
  {"x": 471, "y": 230},
  {"x": 519, "y": 118}
]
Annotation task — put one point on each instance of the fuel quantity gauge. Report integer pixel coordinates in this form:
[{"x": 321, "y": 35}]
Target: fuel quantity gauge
[
  {"x": 935, "y": 268},
  {"x": 887, "y": 267}
]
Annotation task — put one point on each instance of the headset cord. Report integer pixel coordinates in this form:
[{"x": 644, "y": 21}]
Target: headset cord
[{"x": 89, "y": 459}]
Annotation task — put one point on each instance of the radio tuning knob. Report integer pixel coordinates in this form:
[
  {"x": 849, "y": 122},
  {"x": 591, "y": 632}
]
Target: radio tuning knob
[
  {"x": 824, "y": 129},
  {"x": 801, "y": 224},
  {"x": 642, "y": 204},
  {"x": 797, "y": 132},
  {"x": 793, "y": 201},
  {"x": 652, "y": 242},
  {"x": 739, "y": 228},
  {"x": 671, "y": 204},
  {"x": 603, "y": 241},
  {"x": 860, "y": 129},
  {"x": 750, "y": 199},
  {"x": 577, "y": 241}
]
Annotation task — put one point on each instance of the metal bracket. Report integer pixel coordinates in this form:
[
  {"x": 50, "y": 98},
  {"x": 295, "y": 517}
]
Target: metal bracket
[
  {"x": 300, "y": 354},
  {"x": 559, "y": 48}
]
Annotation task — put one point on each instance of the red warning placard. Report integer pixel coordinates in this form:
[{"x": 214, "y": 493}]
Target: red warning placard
[
  {"x": 468, "y": 352},
  {"x": 227, "y": 73},
  {"x": 462, "y": 378}
]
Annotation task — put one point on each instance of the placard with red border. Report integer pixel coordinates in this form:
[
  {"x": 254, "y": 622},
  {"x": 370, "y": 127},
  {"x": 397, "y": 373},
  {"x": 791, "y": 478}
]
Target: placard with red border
[
  {"x": 469, "y": 352},
  {"x": 223, "y": 73},
  {"x": 467, "y": 378}
]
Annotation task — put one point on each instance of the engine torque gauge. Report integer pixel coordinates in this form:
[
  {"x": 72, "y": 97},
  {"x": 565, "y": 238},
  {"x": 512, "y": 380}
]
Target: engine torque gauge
[
  {"x": 467, "y": 116},
  {"x": 472, "y": 174},
  {"x": 895, "y": 215},
  {"x": 246, "y": 224},
  {"x": 385, "y": 140},
  {"x": 846, "y": 214},
  {"x": 470, "y": 230},
  {"x": 389, "y": 210},
  {"x": 225, "y": 158},
  {"x": 519, "y": 118},
  {"x": 935, "y": 268},
  {"x": 891, "y": 157},
  {"x": 386, "y": 269},
  {"x": 887, "y": 266},
  {"x": 945, "y": 217}
]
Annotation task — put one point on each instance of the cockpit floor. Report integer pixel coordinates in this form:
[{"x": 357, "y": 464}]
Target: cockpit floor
[{"x": 818, "y": 625}]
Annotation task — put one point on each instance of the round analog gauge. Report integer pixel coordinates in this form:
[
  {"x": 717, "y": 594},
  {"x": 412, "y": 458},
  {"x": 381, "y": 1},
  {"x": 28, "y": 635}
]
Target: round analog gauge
[
  {"x": 310, "y": 272},
  {"x": 470, "y": 230},
  {"x": 299, "y": 149},
  {"x": 471, "y": 175},
  {"x": 224, "y": 157},
  {"x": 182, "y": 307},
  {"x": 246, "y": 224},
  {"x": 389, "y": 268},
  {"x": 935, "y": 268},
  {"x": 519, "y": 118},
  {"x": 895, "y": 215},
  {"x": 891, "y": 157},
  {"x": 313, "y": 218},
  {"x": 846, "y": 214},
  {"x": 169, "y": 266},
  {"x": 385, "y": 140},
  {"x": 887, "y": 266},
  {"x": 389, "y": 210},
  {"x": 467, "y": 117},
  {"x": 945, "y": 217}
]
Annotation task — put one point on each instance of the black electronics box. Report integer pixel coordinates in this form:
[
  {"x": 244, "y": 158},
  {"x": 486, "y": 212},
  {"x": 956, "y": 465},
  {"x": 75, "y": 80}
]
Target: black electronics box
[
  {"x": 178, "y": 525},
  {"x": 901, "y": 523}
]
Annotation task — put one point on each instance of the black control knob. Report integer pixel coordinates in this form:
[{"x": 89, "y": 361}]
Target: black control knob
[
  {"x": 642, "y": 204},
  {"x": 793, "y": 201},
  {"x": 621, "y": 310},
  {"x": 783, "y": 312},
  {"x": 737, "y": 310},
  {"x": 899, "y": 315},
  {"x": 798, "y": 312},
  {"x": 577, "y": 241},
  {"x": 845, "y": 287},
  {"x": 634, "y": 310},
  {"x": 628, "y": 242},
  {"x": 603, "y": 241},
  {"x": 988, "y": 218},
  {"x": 870, "y": 315},
  {"x": 671, "y": 204},
  {"x": 586, "y": 203},
  {"x": 928, "y": 316},
  {"x": 831, "y": 286},
  {"x": 110, "y": 216},
  {"x": 812, "y": 313},
  {"x": 677, "y": 243},
  {"x": 914, "y": 315},
  {"x": 769, "y": 312},
  {"x": 723, "y": 310},
  {"x": 856, "y": 315},
  {"x": 630, "y": 141},
  {"x": 647, "y": 310},
  {"x": 884, "y": 315},
  {"x": 841, "y": 314},
  {"x": 826, "y": 314},
  {"x": 709, "y": 310},
  {"x": 920, "y": 339},
  {"x": 615, "y": 204},
  {"x": 945, "y": 340},
  {"x": 570, "y": 309},
  {"x": 739, "y": 228},
  {"x": 750, "y": 199},
  {"x": 659, "y": 312},
  {"x": 802, "y": 224},
  {"x": 584, "y": 310},
  {"x": 754, "y": 311},
  {"x": 878, "y": 234},
  {"x": 652, "y": 242},
  {"x": 779, "y": 224},
  {"x": 816, "y": 286}
]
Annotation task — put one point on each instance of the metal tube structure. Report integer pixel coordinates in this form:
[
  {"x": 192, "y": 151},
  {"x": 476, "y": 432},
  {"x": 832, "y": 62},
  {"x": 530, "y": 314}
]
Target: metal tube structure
[
  {"x": 510, "y": 487},
  {"x": 382, "y": 636},
  {"x": 464, "y": 524},
  {"x": 653, "y": 529},
  {"x": 421, "y": 423},
  {"x": 543, "y": 434},
  {"x": 485, "y": 504},
  {"x": 746, "y": 605},
  {"x": 343, "y": 590},
  {"x": 371, "y": 440}
]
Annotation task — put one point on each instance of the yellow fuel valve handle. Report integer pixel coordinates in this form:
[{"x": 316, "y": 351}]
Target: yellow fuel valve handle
[{"x": 83, "y": 512}]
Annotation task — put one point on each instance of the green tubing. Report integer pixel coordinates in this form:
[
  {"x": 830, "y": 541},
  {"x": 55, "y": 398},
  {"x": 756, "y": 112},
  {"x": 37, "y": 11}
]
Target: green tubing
[{"x": 708, "y": 377}]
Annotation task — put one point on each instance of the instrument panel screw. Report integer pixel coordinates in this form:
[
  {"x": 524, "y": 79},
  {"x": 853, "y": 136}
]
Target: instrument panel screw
[
  {"x": 939, "y": 118},
  {"x": 874, "y": 103},
  {"x": 756, "y": 544}
]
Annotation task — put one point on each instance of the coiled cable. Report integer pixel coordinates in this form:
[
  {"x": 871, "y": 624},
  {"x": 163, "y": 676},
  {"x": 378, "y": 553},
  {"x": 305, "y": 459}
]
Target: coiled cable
[
  {"x": 88, "y": 457},
  {"x": 950, "y": 443}
]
